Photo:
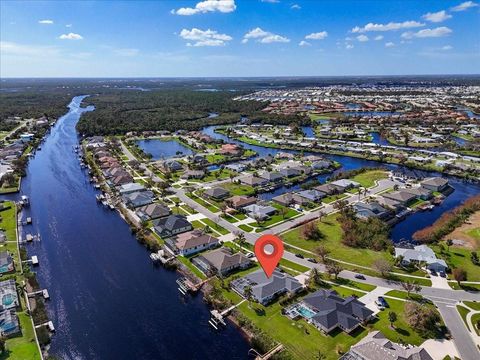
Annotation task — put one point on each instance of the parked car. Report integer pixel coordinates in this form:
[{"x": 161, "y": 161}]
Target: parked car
[
  {"x": 300, "y": 256},
  {"x": 312, "y": 260},
  {"x": 442, "y": 274},
  {"x": 433, "y": 273},
  {"x": 381, "y": 302},
  {"x": 359, "y": 276},
  {"x": 250, "y": 255}
]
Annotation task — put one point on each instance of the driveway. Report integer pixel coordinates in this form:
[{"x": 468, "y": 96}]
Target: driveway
[
  {"x": 438, "y": 349},
  {"x": 370, "y": 298},
  {"x": 439, "y": 282}
]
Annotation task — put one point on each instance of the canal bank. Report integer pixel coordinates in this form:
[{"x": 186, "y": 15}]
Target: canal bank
[{"x": 104, "y": 290}]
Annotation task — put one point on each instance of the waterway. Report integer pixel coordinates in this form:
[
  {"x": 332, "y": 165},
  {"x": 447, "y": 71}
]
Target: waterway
[
  {"x": 107, "y": 299},
  {"x": 404, "y": 229},
  {"x": 163, "y": 149}
]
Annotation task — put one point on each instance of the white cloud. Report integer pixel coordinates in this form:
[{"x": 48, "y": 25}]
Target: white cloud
[
  {"x": 16, "y": 49},
  {"x": 204, "y": 37},
  {"x": 68, "y": 25},
  {"x": 295, "y": 7},
  {"x": 428, "y": 33},
  {"x": 348, "y": 38},
  {"x": 304, "y": 43},
  {"x": 447, "y": 47},
  {"x": 46, "y": 22},
  {"x": 387, "y": 27},
  {"x": 223, "y": 6},
  {"x": 274, "y": 38},
  {"x": 317, "y": 36},
  {"x": 437, "y": 16},
  {"x": 378, "y": 38},
  {"x": 271, "y": 1},
  {"x": 349, "y": 46},
  {"x": 464, "y": 6},
  {"x": 362, "y": 38},
  {"x": 389, "y": 44},
  {"x": 127, "y": 52},
  {"x": 264, "y": 37},
  {"x": 71, "y": 36}
]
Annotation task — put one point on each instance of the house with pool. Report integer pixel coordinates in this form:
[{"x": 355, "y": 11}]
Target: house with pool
[
  {"x": 6, "y": 262},
  {"x": 9, "y": 324},
  {"x": 327, "y": 311}
]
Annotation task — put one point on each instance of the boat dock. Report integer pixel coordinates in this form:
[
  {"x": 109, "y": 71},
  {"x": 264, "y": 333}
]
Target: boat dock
[
  {"x": 268, "y": 354},
  {"x": 33, "y": 260},
  {"x": 161, "y": 256},
  {"x": 48, "y": 324},
  {"x": 217, "y": 316},
  {"x": 43, "y": 292}
]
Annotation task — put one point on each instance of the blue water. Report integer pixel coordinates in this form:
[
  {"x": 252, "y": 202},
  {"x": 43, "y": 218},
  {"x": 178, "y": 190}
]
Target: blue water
[
  {"x": 404, "y": 229},
  {"x": 379, "y": 140},
  {"x": 161, "y": 149},
  {"x": 107, "y": 299},
  {"x": 7, "y": 300},
  {"x": 308, "y": 131},
  {"x": 460, "y": 141}
]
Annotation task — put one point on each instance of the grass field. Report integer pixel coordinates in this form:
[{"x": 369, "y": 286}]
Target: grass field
[
  {"x": 368, "y": 178},
  {"x": 463, "y": 311},
  {"x": 459, "y": 257},
  {"x": 332, "y": 232},
  {"x": 473, "y": 305}
]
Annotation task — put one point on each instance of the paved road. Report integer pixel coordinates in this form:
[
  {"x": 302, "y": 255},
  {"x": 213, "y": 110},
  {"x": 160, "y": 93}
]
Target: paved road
[{"x": 461, "y": 336}]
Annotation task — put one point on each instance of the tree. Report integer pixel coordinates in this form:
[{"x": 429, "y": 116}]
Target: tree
[
  {"x": 333, "y": 268},
  {"x": 474, "y": 258},
  {"x": 321, "y": 216},
  {"x": 240, "y": 238},
  {"x": 459, "y": 274},
  {"x": 312, "y": 232},
  {"x": 315, "y": 277},
  {"x": 410, "y": 286},
  {"x": 322, "y": 253},
  {"x": 248, "y": 292},
  {"x": 382, "y": 266},
  {"x": 283, "y": 212},
  {"x": 449, "y": 243},
  {"x": 392, "y": 317},
  {"x": 421, "y": 318}
]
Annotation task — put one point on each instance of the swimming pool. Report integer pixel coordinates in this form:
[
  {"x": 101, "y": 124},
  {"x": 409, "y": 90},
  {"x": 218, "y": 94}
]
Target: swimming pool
[
  {"x": 305, "y": 312},
  {"x": 8, "y": 300}
]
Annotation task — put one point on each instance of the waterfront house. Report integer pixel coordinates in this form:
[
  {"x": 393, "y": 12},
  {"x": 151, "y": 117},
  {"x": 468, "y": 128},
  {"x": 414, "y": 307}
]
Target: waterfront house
[
  {"x": 327, "y": 189},
  {"x": 171, "y": 225},
  {"x": 153, "y": 211},
  {"x": 6, "y": 262},
  {"x": 216, "y": 193},
  {"x": 311, "y": 195},
  {"x": 237, "y": 202},
  {"x": 345, "y": 184},
  {"x": 130, "y": 188},
  {"x": 375, "y": 346},
  {"x": 265, "y": 289},
  {"x": 290, "y": 172},
  {"x": 26, "y": 137},
  {"x": 230, "y": 149},
  {"x": 420, "y": 192},
  {"x": 171, "y": 165},
  {"x": 191, "y": 242},
  {"x": 9, "y": 324},
  {"x": 437, "y": 184},
  {"x": 327, "y": 311},
  {"x": 253, "y": 180},
  {"x": 367, "y": 210},
  {"x": 271, "y": 176},
  {"x": 124, "y": 178},
  {"x": 237, "y": 167},
  {"x": 420, "y": 254},
  {"x": 8, "y": 294},
  {"x": 137, "y": 199},
  {"x": 284, "y": 199},
  {"x": 221, "y": 261},
  {"x": 261, "y": 212},
  {"x": 320, "y": 165},
  {"x": 400, "y": 196}
]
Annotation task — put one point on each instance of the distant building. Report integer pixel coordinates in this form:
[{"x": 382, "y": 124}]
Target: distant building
[
  {"x": 375, "y": 346},
  {"x": 371, "y": 209}
]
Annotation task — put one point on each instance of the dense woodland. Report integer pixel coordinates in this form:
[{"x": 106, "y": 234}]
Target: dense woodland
[{"x": 121, "y": 112}]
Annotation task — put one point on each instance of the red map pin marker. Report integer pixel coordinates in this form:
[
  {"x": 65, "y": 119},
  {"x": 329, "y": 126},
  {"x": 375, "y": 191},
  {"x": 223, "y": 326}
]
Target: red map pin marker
[{"x": 269, "y": 260}]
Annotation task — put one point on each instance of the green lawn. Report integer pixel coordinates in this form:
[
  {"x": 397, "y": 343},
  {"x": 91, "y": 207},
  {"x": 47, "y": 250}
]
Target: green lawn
[
  {"x": 332, "y": 241},
  {"x": 473, "y": 305},
  {"x": 459, "y": 257},
  {"x": 238, "y": 189},
  {"x": 245, "y": 227},
  {"x": 403, "y": 295},
  {"x": 215, "y": 226},
  {"x": 294, "y": 266},
  {"x": 186, "y": 261},
  {"x": 474, "y": 233},
  {"x": 475, "y": 319},
  {"x": 332, "y": 198},
  {"x": 278, "y": 217},
  {"x": 463, "y": 311},
  {"x": 368, "y": 178}
]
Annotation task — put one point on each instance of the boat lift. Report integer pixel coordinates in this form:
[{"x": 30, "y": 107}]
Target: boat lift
[
  {"x": 43, "y": 292},
  {"x": 217, "y": 316}
]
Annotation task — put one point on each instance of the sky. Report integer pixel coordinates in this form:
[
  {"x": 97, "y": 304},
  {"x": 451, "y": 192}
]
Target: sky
[{"x": 228, "y": 38}]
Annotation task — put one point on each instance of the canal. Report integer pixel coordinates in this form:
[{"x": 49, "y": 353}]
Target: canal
[
  {"x": 107, "y": 299},
  {"x": 404, "y": 229}
]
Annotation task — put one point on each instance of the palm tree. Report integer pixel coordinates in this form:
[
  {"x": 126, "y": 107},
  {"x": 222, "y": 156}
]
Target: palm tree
[
  {"x": 240, "y": 239},
  {"x": 392, "y": 317},
  {"x": 248, "y": 293}
]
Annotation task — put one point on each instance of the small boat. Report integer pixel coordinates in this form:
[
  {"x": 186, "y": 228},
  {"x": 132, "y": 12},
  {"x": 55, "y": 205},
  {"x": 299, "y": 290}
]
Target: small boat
[
  {"x": 104, "y": 203},
  {"x": 111, "y": 206},
  {"x": 99, "y": 197}
]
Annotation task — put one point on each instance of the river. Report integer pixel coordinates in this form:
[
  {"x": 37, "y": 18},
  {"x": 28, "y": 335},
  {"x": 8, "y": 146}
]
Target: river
[{"x": 107, "y": 299}]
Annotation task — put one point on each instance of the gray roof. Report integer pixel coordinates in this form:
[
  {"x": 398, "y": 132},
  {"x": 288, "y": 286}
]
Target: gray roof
[
  {"x": 216, "y": 192},
  {"x": 312, "y": 194},
  {"x": 130, "y": 187},
  {"x": 171, "y": 223},
  {"x": 375, "y": 346},
  {"x": 222, "y": 259},
  {"x": 139, "y": 198},
  {"x": 400, "y": 196},
  {"x": 435, "y": 181},
  {"x": 271, "y": 175},
  {"x": 332, "y": 310},
  {"x": 154, "y": 211}
]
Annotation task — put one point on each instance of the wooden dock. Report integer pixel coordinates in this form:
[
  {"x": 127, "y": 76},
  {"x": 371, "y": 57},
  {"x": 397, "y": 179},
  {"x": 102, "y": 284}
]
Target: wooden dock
[{"x": 268, "y": 354}]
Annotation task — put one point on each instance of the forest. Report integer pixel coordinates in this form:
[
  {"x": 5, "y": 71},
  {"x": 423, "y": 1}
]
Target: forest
[{"x": 173, "y": 109}]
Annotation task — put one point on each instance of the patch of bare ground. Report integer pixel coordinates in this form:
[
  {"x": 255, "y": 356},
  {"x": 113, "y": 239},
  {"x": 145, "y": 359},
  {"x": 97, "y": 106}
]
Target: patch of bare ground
[{"x": 464, "y": 232}]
